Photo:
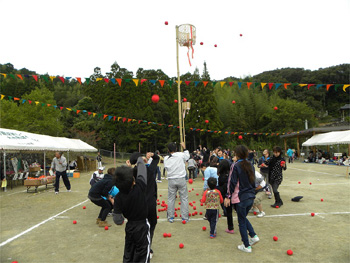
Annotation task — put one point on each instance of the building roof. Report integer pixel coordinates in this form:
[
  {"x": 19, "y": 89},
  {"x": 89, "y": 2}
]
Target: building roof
[
  {"x": 311, "y": 131},
  {"x": 345, "y": 107}
]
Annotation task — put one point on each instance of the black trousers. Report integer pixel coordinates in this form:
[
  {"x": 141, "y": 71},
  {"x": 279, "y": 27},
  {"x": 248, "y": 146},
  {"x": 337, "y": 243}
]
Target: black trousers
[
  {"x": 137, "y": 241},
  {"x": 229, "y": 217},
  {"x": 213, "y": 217},
  {"x": 65, "y": 180},
  {"x": 152, "y": 219},
  {"x": 106, "y": 207},
  {"x": 191, "y": 172}
]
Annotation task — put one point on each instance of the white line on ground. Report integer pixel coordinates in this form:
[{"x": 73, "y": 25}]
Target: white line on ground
[
  {"x": 267, "y": 216},
  {"x": 39, "y": 224},
  {"x": 310, "y": 171}
]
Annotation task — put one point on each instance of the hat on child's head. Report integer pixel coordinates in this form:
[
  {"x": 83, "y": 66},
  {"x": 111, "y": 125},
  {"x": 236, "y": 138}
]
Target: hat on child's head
[
  {"x": 101, "y": 168},
  {"x": 134, "y": 157},
  {"x": 297, "y": 198}
]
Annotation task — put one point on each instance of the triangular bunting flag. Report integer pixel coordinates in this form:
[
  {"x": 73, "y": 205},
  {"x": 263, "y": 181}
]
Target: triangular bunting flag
[
  {"x": 263, "y": 85},
  {"x": 3, "y": 74},
  {"x": 114, "y": 117},
  {"x": 222, "y": 83},
  {"x": 26, "y": 76},
  {"x": 196, "y": 83},
  {"x": 35, "y": 77},
  {"x": 16, "y": 98},
  {"x": 277, "y": 85},
  {"x": 161, "y": 82},
  {"x": 153, "y": 81},
  {"x": 119, "y": 118},
  {"x": 310, "y": 85},
  {"x": 170, "y": 82},
  {"x": 12, "y": 76},
  {"x": 9, "y": 97},
  {"x": 143, "y": 80},
  {"x": 61, "y": 108},
  {"x": 68, "y": 78},
  {"x": 214, "y": 83},
  {"x": 99, "y": 79},
  {"x": 286, "y": 85},
  {"x": 62, "y": 79},
  {"x": 124, "y": 119},
  {"x": 52, "y": 78},
  {"x": 178, "y": 82},
  {"x": 205, "y": 83},
  {"x": 69, "y": 109},
  {"x": 105, "y": 116},
  {"x": 87, "y": 80},
  {"x": 302, "y": 85},
  {"x": 319, "y": 86},
  {"x": 129, "y": 120},
  {"x": 89, "y": 113},
  {"x": 79, "y": 80},
  {"x": 113, "y": 80},
  {"x": 37, "y": 102},
  {"x": 337, "y": 86},
  {"x": 345, "y": 86},
  {"x": 119, "y": 82},
  {"x": 20, "y": 76},
  {"x": 30, "y": 102},
  {"x": 127, "y": 80},
  {"x": 110, "y": 117},
  {"x": 270, "y": 85},
  {"x": 248, "y": 84},
  {"x": 231, "y": 83},
  {"x": 23, "y": 101},
  {"x": 239, "y": 84},
  {"x": 256, "y": 84},
  {"x": 78, "y": 111},
  {"x": 187, "y": 82},
  {"x": 136, "y": 81},
  {"x": 2, "y": 96},
  {"x": 99, "y": 115},
  {"x": 106, "y": 80}
]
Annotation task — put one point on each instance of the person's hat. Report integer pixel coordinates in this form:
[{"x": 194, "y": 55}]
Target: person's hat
[
  {"x": 134, "y": 157},
  {"x": 297, "y": 198},
  {"x": 101, "y": 168}
]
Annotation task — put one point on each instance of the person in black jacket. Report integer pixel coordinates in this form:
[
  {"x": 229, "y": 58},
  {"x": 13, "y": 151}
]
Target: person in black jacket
[
  {"x": 99, "y": 194},
  {"x": 131, "y": 203}
]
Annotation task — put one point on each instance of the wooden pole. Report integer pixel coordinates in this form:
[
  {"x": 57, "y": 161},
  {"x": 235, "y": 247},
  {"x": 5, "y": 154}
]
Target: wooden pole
[
  {"x": 179, "y": 101},
  {"x": 298, "y": 145},
  {"x": 115, "y": 164},
  {"x": 285, "y": 145}
]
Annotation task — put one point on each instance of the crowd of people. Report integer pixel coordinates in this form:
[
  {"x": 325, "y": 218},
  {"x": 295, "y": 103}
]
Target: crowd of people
[{"x": 230, "y": 183}]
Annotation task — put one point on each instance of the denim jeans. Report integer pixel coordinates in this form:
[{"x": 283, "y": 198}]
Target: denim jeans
[{"x": 244, "y": 225}]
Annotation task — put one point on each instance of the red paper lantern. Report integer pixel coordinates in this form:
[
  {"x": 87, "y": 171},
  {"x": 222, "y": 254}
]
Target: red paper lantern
[
  {"x": 233, "y": 102},
  {"x": 206, "y": 121},
  {"x": 201, "y": 43},
  {"x": 184, "y": 99},
  {"x": 166, "y": 23},
  {"x": 275, "y": 108},
  {"x": 155, "y": 98},
  {"x": 215, "y": 45},
  {"x": 240, "y": 137},
  {"x": 175, "y": 101}
]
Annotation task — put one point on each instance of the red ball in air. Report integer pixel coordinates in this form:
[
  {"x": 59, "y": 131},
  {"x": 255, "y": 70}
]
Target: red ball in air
[
  {"x": 206, "y": 121},
  {"x": 215, "y": 45},
  {"x": 201, "y": 43},
  {"x": 204, "y": 228},
  {"x": 241, "y": 35},
  {"x": 181, "y": 245},
  {"x": 166, "y": 23},
  {"x": 203, "y": 179},
  {"x": 175, "y": 101},
  {"x": 275, "y": 108},
  {"x": 240, "y": 137},
  {"x": 184, "y": 99},
  {"x": 155, "y": 98},
  {"x": 190, "y": 181},
  {"x": 233, "y": 102},
  {"x": 290, "y": 252}
]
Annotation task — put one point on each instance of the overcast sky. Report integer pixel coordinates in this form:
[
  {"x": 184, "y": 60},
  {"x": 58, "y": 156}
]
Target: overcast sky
[{"x": 72, "y": 37}]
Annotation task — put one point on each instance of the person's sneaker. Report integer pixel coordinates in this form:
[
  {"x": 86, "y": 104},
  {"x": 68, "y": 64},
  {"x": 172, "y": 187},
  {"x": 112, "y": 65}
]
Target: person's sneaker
[
  {"x": 110, "y": 214},
  {"x": 269, "y": 197},
  {"x": 151, "y": 254},
  {"x": 69, "y": 190},
  {"x": 245, "y": 249},
  {"x": 253, "y": 210},
  {"x": 56, "y": 193},
  {"x": 261, "y": 214},
  {"x": 104, "y": 224},
  {"x": 212, "y": 236},
  {"x": 253, "y": 240},
  {"x": 159, "y": 181},
  {"x": 204, "y": 218},
  {"x": 230, "y": 231},
  {"x": 98, "y": 220},
  {"x": 171, "y": 220}
]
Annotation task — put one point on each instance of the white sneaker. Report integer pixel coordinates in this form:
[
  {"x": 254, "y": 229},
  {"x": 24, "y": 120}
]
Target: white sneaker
[
  {"x": 253, "y": 210},
  {"x": 159, "y": 181},
  {"x": 69, "y": 190},
  {"x": 253, "y": 240},
  {"x": 245, "y": 249},
  {"x": 261, "y": 214},
  {"x": 56, "y": 193}
]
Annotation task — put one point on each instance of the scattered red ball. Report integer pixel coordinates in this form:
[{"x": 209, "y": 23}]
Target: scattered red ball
[
  {"x": 312, "y": 214},
  {"x": 184, "y": 99},
  {"x": 240, "y": 35},
  {"x": 157, "y": 217},
  {"x": 169, "y": 234},
  {"x": 106, "y": 227},
  {"x": 165, "y": 234},
  {"x": 254, "y": 213},
  {"x": 200, "y": 213},
  {"x": 190, "y": 181},
  {"x": 289, "y": 252},
  {"x": 74, "y": 222},
  {"x": 321, "y": 199},
  {"x": 201, "y": 204},
  {"x": 155, "y": 98},
  {"x": 197, "y": 194},
  {"x": 275, "y": 238},
  {"x": 194, "y": 201},
  {"x": 14, "y": 262},
  {"x": 166, "y": 23},
  {"x": 160, "y": 195},
  {"x": 194, "y": 208},
  {"x": 299, "y": 182},
  {"x": 201, "y": 43},
  {"x": 175, "y": 101},
  {"x": 84, "y": 207},
  {"x": 204, "y": 228},
  {"x": 240, "y": 137},
  {"x": 275, "y": 108},
  {"x": 215, "y": 45},
  {"x": 203, "y": 179},
  {"x": 277, "y": 206},
  {"x": 184, "y": 222},
  {"x": 206, "y": 121},
  {"x": 181, "y": 245},
  {"x": 233, "y": 102},
  {"x": 310, "y": 183},
  {"x": 179, "y": 203},
  {"x": 219, "y": 215}
]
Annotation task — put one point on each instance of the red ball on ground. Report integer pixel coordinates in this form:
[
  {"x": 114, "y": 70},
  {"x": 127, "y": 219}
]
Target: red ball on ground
[
  {"x": 165, "y": 234},
  {"x": 189, "y": 214},
  {"x": 160, "y": 195},
  {"x": 14, "y": 262},
  {"x": 299, "y": 182},
  {"x": 219, "y": 215},
  {"x": 166, "y": 23},
  {"x": 275, "y": 108},
  {"x": 240, "y": 137},
  {"x": 254, "y": 213},
  {"x": 189, "y": 191},
  {"x": 194, "y": 201},
  {"x": 106, "y": 227},
  {"x": 169, "y": 234},
  {"x": 155, "y": 98},
  {"x": 157, "y": 217},
  {"x": 197, "y": 194},
  {"x": 312, "y": 214},
  {"x": 203, "y": 179},
  {"x": 190, "y": 181},
  {"x": 201, "y": 43},
  {"x": 184, "y": 99},
  {"x": 163, "y": 202},
  {"x": 184, "y": 222},
  {"x": 157, "y": 200},
  {"x": 200, "y": 213},
  {"x": 194, "y": 208},
  {"x": 201, "y": 204},
  {"x": 233, "y": 102},
  {"x": 84, "y": 207},
  {"x": 204, "y": 228},
  {"x": 175, "y": 101},
  {"x": 179, "y": 203},
  {"x": 158, "y": 209},
  {"x": 193, "y": 214},
  {"x": 275, "y": 238},
  {"x": 175, "y": 215},
  {"x": 158, "y": 203},
  {"x": 321, "y": 199},
  {"x": 310, "y": 183},
  {"x": 181, "y": 245},
  {"x": 206, "y": 121},
  {"x": 289, "y": 252},
  {"x": 74, "y": 222}
]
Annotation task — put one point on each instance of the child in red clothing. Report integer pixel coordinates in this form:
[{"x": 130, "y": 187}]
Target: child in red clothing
[{"x": 212, "y": 199}]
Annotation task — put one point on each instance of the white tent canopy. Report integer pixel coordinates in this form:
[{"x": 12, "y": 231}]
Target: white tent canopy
[
  {"x": 18, "y": 140},
  {"x": 329, "y": 138}
]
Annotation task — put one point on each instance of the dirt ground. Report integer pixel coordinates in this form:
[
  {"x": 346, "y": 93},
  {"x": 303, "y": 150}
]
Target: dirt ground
[{"x": 37, "y": 227}]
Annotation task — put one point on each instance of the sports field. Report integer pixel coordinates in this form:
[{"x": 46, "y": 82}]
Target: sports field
[{"x": 37, "y": 227}]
